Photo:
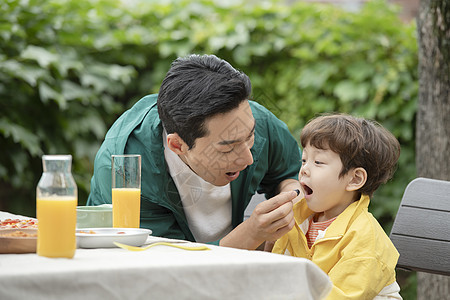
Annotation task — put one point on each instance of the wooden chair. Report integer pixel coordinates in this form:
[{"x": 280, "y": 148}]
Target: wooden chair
[{"x": 421, "y": 230}]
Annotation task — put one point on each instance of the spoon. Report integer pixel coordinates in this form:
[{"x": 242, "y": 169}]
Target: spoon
[{"x": 133, "y": 248}]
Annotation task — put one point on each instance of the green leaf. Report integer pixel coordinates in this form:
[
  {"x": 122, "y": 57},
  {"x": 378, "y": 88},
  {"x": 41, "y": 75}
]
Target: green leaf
[
  {"x": 41, "y": 55},
  {"x": 47, "y": 93},
  {"x": 20, "y": 135},
  {"x": 317, "y": 75},
  {"x": 27, "y": 73},
  {"x": 73, "y": 91},
  {"x": 360, "y": 70},
  {"x": 347, "y": 91}
]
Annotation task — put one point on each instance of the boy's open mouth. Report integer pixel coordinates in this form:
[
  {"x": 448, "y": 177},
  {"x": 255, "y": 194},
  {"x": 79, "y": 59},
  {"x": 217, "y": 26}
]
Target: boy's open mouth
[{"x": 307, "y": 189}]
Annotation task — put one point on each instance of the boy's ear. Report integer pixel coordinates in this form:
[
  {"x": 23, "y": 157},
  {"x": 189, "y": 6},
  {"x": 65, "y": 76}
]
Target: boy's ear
[
  {"x": 357, "y": 180},
  {"x": 176, "y": 144}
]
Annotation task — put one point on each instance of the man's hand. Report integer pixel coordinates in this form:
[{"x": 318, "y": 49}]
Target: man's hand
[
  {"x": 270, "y": 220},
  {"x": 273, "y": 218}
]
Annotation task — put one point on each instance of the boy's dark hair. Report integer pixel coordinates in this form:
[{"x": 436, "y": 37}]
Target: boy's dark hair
[
  {"x": 359, "y": 143},
  {"x": 196, "y": 88}
]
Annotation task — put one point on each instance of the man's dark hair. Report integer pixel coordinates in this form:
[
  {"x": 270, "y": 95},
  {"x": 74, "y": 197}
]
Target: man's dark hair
[{"x": 196, "y": 88}]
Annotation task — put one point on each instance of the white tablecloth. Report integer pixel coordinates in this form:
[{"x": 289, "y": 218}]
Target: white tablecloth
[
  {"x": 6, "y": 215},
  {"x": 161, "y": 272}
]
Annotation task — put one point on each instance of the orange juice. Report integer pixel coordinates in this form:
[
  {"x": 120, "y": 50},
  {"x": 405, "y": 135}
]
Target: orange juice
[
  {"x": 56, "y": 227},
  {"x": 126, "y": 207}
]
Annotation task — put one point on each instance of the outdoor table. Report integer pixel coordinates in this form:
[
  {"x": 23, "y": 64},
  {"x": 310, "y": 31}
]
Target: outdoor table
[{"x": 161, "y": 272}]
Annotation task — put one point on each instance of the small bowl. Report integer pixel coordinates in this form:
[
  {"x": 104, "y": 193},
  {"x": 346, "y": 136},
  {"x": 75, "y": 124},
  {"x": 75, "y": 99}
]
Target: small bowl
[{"x": 94, "y": 216}]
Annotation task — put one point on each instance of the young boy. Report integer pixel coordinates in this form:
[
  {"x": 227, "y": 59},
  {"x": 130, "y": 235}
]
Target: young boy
[{"x": 345, "y": 159}]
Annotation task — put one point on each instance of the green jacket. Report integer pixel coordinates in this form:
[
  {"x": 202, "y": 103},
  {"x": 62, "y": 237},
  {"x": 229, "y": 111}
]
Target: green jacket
[{"x": 276, "y": 157}]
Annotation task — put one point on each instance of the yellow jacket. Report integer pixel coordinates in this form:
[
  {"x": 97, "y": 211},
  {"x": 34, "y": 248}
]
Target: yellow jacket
[{"x": 355, "y": 252}]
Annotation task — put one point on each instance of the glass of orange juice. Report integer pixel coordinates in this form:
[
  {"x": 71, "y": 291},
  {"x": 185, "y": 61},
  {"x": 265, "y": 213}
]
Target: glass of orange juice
[
  {"x": 126, "y": 190},
  {"x": 56, "y": 202}
]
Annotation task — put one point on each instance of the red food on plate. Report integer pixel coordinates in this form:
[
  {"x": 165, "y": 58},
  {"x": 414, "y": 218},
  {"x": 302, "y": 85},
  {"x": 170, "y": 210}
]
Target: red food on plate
[
  {"x": 89, "y": 232},
  {"x": 18, "y": 223}
]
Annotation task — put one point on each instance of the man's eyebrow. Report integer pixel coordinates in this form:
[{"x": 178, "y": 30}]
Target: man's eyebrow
[{"x": 229, "y": 142}]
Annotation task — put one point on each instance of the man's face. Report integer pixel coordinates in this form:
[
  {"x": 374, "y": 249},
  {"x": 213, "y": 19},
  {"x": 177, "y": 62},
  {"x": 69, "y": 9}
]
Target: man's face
[{"x": 219, "y": 156}]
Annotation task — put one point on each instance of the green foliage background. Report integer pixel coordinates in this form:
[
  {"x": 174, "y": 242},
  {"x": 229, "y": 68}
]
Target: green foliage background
[{"x": 69, "y": 68}]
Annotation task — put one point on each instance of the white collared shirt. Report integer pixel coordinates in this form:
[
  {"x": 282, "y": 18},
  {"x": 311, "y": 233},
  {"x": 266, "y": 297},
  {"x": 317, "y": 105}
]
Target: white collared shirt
[{"x": 207, "y": 207}]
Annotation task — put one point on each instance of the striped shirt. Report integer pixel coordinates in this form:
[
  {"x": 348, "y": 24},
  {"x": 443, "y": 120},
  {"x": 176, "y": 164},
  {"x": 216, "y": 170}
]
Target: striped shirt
[{"x": 314, "y": 228}]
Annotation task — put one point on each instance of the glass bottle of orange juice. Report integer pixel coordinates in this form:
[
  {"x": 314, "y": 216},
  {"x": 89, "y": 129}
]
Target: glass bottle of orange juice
[{"x": 56, "y": 203}]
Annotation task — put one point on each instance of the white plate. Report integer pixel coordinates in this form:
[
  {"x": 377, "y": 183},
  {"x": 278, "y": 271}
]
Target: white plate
[{"x": 105, "y": 237}]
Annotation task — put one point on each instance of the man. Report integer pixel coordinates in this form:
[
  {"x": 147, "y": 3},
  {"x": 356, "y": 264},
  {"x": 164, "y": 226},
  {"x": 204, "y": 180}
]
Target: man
[{"x": 206, "y": 149}]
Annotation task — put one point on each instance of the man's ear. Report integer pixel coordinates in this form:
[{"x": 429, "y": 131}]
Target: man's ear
[
  {"x": 176, "y": 144},
  {"x": 357, "y": 180}
]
